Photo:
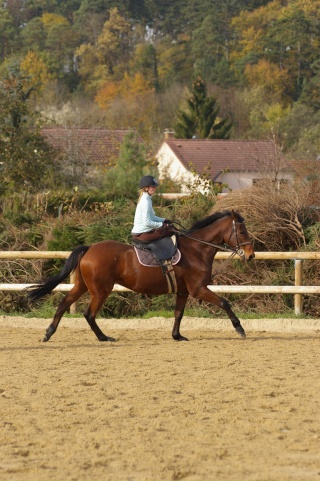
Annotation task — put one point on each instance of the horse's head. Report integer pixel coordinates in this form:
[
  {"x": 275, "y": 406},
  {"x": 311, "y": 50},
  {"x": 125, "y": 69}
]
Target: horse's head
[
  {"x": 225, "y": 227},
  {"x": 236, "y": 236}
]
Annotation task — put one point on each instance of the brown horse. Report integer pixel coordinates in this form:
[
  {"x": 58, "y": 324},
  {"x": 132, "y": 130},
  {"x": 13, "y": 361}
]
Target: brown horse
[{"x": 99, "y": 266}]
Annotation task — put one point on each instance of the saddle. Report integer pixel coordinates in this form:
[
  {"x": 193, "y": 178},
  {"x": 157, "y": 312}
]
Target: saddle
[
  {"x": 161, "y": 252},
  {"x": 162, "y": 249}
]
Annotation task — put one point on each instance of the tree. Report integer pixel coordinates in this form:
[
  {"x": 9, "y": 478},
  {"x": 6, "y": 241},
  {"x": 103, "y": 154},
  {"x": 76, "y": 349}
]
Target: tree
[
  {"x": 168, "y": 18},
  {"x": 26, "y": 160},
  {"x": 108, "y": 58},
  {"x": 274, "y": 80},
  {"x": 123, "y": 178},
  {"x": 34, "y": 35},
  {"x": 114, "y": 41},
  {"x": 35, "y": 8},
  {"x": 61, "y": 42},
  {"x": 107, "y": 94},
  {"x": 284, "y": 33},
  {"x": 8, "y": 33},
  {"x": 201, "y": 117},
  {"x": 16, "y": 8},
  {"x": 145, "y": 62},
  {"x": 311, "y": 91},
  {"x": 34, "y": 67},
  {"x": 288, "y": 44}
]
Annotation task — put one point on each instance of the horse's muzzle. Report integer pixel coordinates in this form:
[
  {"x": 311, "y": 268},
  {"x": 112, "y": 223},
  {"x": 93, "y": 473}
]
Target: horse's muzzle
[
  {"x": 246, "y": 254},
  {"x": 250, "y": 257}
]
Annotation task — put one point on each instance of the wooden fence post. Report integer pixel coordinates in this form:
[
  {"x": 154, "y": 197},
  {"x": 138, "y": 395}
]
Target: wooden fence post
[{"x": 298, "y": 299}]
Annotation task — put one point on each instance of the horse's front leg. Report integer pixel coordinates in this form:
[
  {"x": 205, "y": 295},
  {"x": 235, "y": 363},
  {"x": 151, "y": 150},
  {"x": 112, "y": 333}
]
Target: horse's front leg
[
  {"x": 181, "y": 301},
  {"x": 204, "y": 294}
]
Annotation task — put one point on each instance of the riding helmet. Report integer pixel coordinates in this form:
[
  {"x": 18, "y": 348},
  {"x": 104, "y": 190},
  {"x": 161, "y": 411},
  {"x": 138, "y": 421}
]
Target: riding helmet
[{"x": 148, "y": 181}]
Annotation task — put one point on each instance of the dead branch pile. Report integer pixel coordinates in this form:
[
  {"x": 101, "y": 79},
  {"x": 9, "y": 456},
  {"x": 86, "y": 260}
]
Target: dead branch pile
[{"x": 276, "y": 219}]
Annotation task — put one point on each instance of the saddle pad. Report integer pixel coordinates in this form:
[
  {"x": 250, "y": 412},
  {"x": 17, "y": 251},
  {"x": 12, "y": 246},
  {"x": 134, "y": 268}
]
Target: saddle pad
[{"x": 146, "y": 258}]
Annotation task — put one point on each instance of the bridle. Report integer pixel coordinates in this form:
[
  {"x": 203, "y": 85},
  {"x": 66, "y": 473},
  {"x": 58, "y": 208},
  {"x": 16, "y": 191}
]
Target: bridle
[{"x": 237, "y": 250}]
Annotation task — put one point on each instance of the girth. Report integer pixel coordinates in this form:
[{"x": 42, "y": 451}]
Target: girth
[{"x": 163, "y": 250}]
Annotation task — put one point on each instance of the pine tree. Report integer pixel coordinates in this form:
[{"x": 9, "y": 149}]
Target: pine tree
[{"x": 201, "y": 117}]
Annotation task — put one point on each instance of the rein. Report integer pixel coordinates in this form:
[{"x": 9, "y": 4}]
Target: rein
[
  {"x": 227, "y": 249},
  {"x": 233, "y": 250}
]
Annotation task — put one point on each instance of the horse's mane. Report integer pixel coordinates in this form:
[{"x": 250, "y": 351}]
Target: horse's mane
[{"x": 210, "y": 219}]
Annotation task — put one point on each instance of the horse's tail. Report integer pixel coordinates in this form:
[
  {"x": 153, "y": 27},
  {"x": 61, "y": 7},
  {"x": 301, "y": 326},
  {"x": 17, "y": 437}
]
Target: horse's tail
[{"x": 46, "y": 286}]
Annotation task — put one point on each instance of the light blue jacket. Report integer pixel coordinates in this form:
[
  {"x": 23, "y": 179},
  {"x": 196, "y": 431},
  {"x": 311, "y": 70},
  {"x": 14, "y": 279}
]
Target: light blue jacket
[{"x": 145, "y": 219}]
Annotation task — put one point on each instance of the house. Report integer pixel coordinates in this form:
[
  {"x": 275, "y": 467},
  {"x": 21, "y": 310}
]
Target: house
[
  {"x": 86, "y": 151},
  {"x": 233, "y": 164}
]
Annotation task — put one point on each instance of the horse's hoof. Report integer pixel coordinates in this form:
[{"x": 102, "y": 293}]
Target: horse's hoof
[
  {"x": 45, "y": 339},
  {"x": 106, "y": 338},
  {"x": 241, "y": 332},
  {"x": 180, "y": 338}
]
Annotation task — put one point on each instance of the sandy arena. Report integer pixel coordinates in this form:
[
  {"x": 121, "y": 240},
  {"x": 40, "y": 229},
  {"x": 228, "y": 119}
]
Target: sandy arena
[{"x": 147, "y": 408}]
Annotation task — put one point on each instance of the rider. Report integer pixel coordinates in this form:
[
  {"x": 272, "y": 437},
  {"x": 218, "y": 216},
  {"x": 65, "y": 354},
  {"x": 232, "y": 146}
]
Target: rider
[{"x": 147, "y": 226}]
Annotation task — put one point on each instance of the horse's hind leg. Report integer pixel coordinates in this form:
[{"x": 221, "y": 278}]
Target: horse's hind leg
[
  {"x": 181, "y": 301},
  {"x": 72, "y": 296},
  {"x": 97, "y": 299}
]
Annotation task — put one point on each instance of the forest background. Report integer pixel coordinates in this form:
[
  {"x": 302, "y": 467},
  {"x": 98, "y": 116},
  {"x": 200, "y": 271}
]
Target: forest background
[{"x": 131, "y": 64}]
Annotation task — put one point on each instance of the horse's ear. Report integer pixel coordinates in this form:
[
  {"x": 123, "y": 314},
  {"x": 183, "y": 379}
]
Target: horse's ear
[{"x": 233, "y": 215}]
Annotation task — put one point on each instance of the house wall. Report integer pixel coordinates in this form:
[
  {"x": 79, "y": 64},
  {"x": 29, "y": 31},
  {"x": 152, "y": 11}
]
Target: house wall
[
  {"x": 170, "y": 166},
  {"x": 244, "y": 180}
]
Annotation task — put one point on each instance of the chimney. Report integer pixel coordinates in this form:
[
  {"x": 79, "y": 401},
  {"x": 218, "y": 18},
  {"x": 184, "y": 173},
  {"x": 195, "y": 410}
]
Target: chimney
[{"x": 168, "y": 134}]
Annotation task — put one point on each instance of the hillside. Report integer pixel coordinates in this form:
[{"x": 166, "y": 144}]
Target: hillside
[{"x": 130, "y": 64}]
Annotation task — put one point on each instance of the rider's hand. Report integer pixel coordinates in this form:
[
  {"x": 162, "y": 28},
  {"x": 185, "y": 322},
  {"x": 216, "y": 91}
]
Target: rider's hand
[{"x": 167, "y": 221}]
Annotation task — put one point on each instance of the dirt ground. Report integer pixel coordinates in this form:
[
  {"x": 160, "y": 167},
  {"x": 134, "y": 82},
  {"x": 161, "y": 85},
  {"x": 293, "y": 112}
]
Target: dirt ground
[{"x": 146, "y": 408}]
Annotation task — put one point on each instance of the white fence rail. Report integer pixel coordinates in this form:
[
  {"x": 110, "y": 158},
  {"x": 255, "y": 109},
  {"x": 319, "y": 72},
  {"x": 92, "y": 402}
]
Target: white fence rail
[{"x": 297, "y": 290}]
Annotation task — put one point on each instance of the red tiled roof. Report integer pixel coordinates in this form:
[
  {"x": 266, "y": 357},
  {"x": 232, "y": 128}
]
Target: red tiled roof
[
  {"x": 219, "y": 155},
  {"x": 95, "y": 146}
]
